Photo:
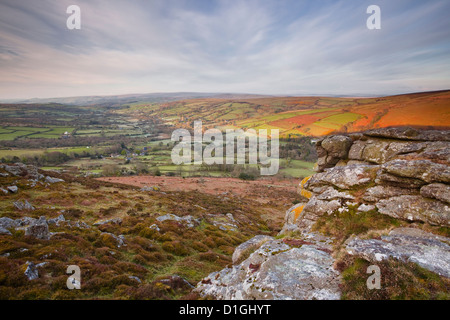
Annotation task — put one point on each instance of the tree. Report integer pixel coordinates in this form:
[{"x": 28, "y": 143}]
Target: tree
[{"x": 111, "y": 170}]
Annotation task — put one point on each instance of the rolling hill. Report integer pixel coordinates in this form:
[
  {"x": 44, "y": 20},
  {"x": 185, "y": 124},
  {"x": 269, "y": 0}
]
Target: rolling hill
[{"x": 314, "y": 116}]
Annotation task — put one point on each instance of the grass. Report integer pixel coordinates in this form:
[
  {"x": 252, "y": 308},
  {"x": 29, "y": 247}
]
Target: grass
[
  {"x": 191, "y": 253},
  {"x": 343, "y": 225},
  {"x": 285, "y": 113},
  {"x": 399, "y": 281},
  {"x": 50, "y": 132}
]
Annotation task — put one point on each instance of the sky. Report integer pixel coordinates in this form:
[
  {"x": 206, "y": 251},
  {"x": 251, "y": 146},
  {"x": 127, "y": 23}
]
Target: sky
[{"x": 279, "y": 47}]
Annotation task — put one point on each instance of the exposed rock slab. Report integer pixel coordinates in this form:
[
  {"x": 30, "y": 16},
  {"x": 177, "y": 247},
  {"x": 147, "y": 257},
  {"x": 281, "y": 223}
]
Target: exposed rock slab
[
  {"x": 424, "y": 170},
  {"x": 380, "y": 192},
  {"x": 252, "y": 244},
  {"x": 408, "y": 133},
  {"x": 407, "y": 244},
  {"x": 416, "y": 208},
  {"x": 277, "y": 271},
  {"x": 345, "y": 177},
  {"x": 437, "y": 191}
]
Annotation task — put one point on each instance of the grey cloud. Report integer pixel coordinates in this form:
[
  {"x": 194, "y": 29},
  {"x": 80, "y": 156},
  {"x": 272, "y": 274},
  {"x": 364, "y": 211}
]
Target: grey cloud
[{"x": 243, "y": 46}]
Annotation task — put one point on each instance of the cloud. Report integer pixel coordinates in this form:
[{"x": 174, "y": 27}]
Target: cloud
[{"x": 258, "y": 46}]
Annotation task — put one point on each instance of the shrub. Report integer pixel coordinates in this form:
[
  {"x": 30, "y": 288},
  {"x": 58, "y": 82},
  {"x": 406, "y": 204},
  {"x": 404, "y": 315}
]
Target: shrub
[
  {"x": 208, "y": 256},
  {"x": 175, "y": 247},
  {"x": 199, "y": 246},
  {"x": 246, "y": 176}
]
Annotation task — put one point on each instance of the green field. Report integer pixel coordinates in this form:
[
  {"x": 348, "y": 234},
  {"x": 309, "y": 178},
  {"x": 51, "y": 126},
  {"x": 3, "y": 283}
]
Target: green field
[{"x": 50, "y": 132}]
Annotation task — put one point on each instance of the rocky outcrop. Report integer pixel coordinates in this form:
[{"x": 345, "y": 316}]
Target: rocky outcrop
[
  {"x": 108, "y": 221},
  {"x": 223, "y": 222},
  {"x": 400, "y": 172},
  {"x": 31, "y": 271},
  {"x": 415, "y": 208},
  {"x": 38, "y": 229},
  {"x": 23, "y": 205},
  {"x": 33, "y": 175},
  {"x": 22, "y": 170}
]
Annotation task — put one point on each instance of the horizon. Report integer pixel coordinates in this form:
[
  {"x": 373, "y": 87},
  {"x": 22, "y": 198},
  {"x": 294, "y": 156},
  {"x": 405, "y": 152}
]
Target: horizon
[
  {"x": 293, "y": 48},
  {"x": 357, "y": 96}
]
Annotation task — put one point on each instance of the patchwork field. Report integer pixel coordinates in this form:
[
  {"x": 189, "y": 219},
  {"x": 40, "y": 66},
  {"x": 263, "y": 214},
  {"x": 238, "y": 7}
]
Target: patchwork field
[{"x": 315, "y": 116}]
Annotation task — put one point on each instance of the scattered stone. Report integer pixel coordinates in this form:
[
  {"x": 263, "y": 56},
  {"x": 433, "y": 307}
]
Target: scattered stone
[
  {"x": 7, "y": 223},
  {"x": 25, "y": 221},
  {"x": 22, "y": 170},
  {"x": 153, "y": 188},
  {"x": 397, "y": 181},
  {"x": 135, "y": 278},
  {"x": 112, "y": 221},
  {"x": 31, "y": 271},
  {"x": 23, "y": 205},
  {"x": 120, "y": 240},
  {"x": 12, "y": 189},
  {"x": 155, "y": 227},
  {"x": 175, "y": 281},
  {"x": 78, "y": 224},
  {"x": 52, "y": 180},
  {"x": 188, "y": 221},
  {"x": 57, "y": 220},
  {"x": 366, "y": 207},
  {"x": 331, "y": 149},
  {"x": 5, "y": 231},
  {"x": 375, "y": 151},
  {"x": 407, "y": 244},
  {"x": 38, "y": 229},
  {"x": 224, "y": 222},
  {"x": 4, "y": 191}
]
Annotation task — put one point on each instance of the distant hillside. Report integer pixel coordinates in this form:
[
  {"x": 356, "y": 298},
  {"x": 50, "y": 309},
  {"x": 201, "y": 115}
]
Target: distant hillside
[
  {"x": 130, "y": 98},
  {"x": 314, "y": 116}
]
